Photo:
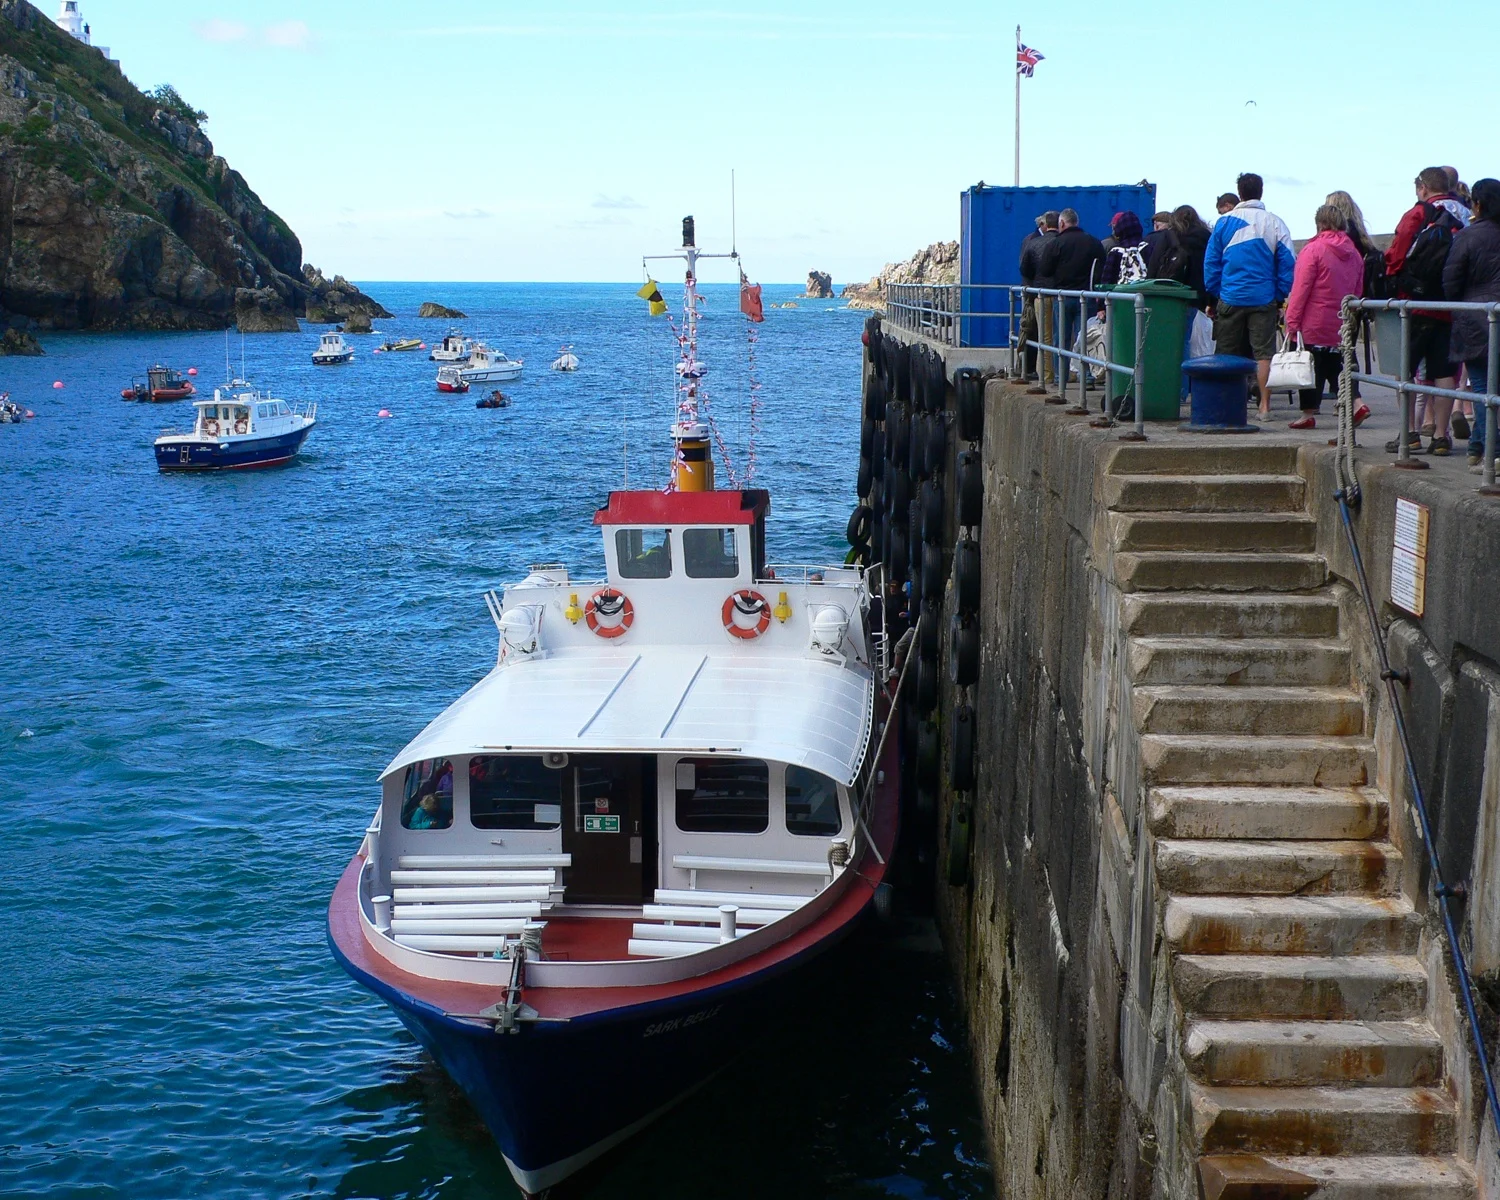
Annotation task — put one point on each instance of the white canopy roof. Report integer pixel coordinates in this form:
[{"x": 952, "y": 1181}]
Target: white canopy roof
[{"x": 811, "y": 711}]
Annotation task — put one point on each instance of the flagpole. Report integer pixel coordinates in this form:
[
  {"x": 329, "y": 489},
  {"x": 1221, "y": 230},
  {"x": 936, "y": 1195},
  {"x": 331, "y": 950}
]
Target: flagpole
[{"x": 1018, "y": 108}]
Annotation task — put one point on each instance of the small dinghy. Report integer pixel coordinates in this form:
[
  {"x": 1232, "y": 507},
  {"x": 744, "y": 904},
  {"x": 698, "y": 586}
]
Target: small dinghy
[
  {"x": 401, "y": 344},
  {"x": 496, "y": 399},
  {"x": 450, "y": 379},
  {"x": 566, "y": 360}
]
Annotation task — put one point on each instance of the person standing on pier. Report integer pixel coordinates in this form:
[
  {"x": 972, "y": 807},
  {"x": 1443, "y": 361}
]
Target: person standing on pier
[
  {"x": 1031, "y": 252},
  {"x": 1472, "y": 273},
  {"x": 1045, "y": 304},
  {"x": 1328, "y": 269},
  {"x": 1248, "y": 269},
  {"x": 1072, "y": 260}
]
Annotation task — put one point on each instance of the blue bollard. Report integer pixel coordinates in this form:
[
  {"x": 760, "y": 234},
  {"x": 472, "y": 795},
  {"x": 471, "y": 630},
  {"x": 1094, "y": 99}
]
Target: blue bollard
[{"x": 1220, "y": 388}]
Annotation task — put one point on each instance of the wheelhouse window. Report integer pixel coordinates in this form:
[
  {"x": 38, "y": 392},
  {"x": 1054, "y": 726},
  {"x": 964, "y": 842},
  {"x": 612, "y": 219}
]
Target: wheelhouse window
[
  {"x": 723, "y": 795},
  {"x": 812, "y": 803},
  {"x": 644, "y": 553},
  {"x": 427, "y": 795},
  {"x": 514, "y": 791},
  {"x": 710, "y": 553}
]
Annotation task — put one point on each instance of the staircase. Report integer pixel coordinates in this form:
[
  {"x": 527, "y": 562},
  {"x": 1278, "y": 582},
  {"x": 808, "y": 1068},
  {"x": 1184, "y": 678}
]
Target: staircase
[{"x": 1310, "y": 1066}]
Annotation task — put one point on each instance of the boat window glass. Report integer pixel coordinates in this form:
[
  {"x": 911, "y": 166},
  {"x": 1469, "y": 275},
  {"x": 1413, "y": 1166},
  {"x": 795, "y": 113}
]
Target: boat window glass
[
  {"x": 710, "y": 553},
  {"x": 427, "y": 795},
  {"x": 644, "y": 553},
  {"x": 281, "y": 409},
  {"x": 260, "y": 411},
  {"x": 812, "y": 803},
  {"x": 514, "y": 791},
  {"x": 210, "y": 413},
  {"x": 723, "y": 795}
]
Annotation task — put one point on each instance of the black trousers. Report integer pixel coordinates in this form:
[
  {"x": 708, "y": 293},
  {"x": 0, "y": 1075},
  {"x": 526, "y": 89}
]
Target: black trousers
[{"x": 1328, "y": 365}]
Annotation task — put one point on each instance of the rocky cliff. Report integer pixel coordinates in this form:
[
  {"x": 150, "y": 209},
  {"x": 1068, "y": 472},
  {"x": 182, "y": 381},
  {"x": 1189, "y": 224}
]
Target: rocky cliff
[
  {"x": 115, "y": 212},
  {"x": 938, "y": 263},
  {"x": 819, "y": 285}
]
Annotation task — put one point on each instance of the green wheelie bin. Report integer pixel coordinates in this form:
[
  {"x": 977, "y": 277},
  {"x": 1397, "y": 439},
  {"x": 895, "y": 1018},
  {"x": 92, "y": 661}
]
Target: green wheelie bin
[{"x": 1169, "y": 306}]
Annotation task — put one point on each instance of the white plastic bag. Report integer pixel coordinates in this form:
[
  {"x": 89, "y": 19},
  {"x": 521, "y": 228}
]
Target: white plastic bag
[{"x": 1201, "y": 336}]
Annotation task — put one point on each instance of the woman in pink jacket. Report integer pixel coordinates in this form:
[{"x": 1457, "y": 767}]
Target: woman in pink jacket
[{"x": 1328, "y": 269}]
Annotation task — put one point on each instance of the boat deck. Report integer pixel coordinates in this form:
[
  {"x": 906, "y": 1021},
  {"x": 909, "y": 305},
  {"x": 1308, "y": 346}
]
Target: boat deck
[{"x": 586, "y": 939}]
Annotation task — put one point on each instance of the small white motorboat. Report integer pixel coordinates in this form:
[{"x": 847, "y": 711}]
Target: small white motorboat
[
  {"x": 566, "y": 360},
  {"x": 454, "y": 348},
  {"x": 332, "y": 349},
  {"x": 489, "y": 366},
  {"x": 449, "y": 379}
]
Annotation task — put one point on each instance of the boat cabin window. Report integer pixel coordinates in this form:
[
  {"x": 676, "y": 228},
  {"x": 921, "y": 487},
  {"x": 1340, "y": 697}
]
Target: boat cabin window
[
  {"x": 514, "y": 791},
  {"x": 710, "y": 553},
  {"x": 281, "y": 408},
  {"x": 644, "y": 553},
  {"x": 427, "y": 795},
  {"x": 723, "y": 795},
  {"x": 261, "y": 411},
  {"x": 211, "y": 412},
  {"x": 812, "y": 803}
]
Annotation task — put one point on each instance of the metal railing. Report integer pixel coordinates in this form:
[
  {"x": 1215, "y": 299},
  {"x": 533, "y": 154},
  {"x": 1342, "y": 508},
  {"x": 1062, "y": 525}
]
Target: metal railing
[
  {"x": 1348, "y": 497},
  {"x": 1401, "y": 382},
  {"x": 936, "y": 310}
]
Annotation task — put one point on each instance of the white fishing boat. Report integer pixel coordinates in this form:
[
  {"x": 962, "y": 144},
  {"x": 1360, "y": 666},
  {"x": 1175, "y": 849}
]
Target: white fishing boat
[
  {"x": 489, "y": 366},
  {"x": 240, "y": 428},
  {"x": 332, "y": 349},
  {"x": 566, "y": 360},
  {"x": 593, "y": 879},
  {"x": 454, "y": 348}
]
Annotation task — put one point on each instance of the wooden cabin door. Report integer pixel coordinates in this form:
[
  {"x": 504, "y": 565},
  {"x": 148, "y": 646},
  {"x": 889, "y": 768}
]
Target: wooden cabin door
[{"x": 604, "y": 829}]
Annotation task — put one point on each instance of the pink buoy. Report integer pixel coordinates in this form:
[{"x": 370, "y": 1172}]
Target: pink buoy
[
  {"x": 57, "y": 385},
  {"x": 30, "y": 416},
  {"x": 384, "y": 412},
  {"x": 192, "y": 370},
  {"x": 421, "y": 345}
]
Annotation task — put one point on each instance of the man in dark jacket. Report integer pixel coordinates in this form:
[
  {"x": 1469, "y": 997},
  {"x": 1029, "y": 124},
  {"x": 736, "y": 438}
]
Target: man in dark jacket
[
  {"x": 1042, "y": 308},
  {"x": 1472, "y": 272},
  {"x": 1031, "y": 252},
  {"x": 1073, "y": 260}
]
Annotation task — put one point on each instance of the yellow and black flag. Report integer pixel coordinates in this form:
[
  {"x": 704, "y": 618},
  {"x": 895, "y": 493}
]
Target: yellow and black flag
[{"x": 651, "y": 293}]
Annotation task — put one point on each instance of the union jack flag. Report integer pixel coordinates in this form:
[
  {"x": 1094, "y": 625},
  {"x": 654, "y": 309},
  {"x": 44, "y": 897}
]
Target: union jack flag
[{"x": 1027, "y": 59}]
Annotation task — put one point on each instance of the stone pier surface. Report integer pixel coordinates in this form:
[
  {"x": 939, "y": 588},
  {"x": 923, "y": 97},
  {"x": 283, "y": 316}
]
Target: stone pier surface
[{"x": 1195, "y": 938}]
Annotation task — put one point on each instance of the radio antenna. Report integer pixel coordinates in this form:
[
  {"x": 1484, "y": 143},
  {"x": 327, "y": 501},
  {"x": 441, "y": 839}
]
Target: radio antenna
[{"x": 733, "y": 240}]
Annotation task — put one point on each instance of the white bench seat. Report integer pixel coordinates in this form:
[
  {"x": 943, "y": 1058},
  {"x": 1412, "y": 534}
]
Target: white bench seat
[
  {"x": 435, "y": 878},
  {"x": 452, "y": 943},
  {"x": 702, "y": 934},
  {"x": 693, "y": 863},
  {"x": 468, "y": 895},
  {"x": 643, "y": 948},
  {"x": 745, "y": 899},
  {"x": 683, "y": 912},
  {"x": 419, "y": 912},
  {"x": 494, "y": 862},
  {"x": 512, "y": 928}
]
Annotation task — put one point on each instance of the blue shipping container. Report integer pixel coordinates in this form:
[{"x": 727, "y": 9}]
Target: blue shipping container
[{"x": 994, "y": 220}]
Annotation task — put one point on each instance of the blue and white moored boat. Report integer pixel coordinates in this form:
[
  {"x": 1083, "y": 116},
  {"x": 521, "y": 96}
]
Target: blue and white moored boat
[
  {"x": 332, "y": 349},
  {"x": 240, "y": 428}
]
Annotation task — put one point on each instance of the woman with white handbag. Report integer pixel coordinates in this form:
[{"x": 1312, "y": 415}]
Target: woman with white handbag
[{"x": 1328, "y": 269}]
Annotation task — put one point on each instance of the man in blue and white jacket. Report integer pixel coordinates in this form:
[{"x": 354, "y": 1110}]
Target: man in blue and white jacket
[{"x": 1248, "y": 270}]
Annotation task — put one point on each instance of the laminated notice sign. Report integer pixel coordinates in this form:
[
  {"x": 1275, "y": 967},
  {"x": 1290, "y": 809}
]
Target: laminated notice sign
[{"x": 1409, "y": 557}]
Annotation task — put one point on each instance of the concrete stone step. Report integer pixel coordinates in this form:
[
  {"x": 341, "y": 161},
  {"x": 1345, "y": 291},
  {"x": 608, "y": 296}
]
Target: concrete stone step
[
  {"x": 1341, "y": 1177},
  {"x": 1224, "y": 867},
  {"x": 1204, "y": 493},
  {"x": 1225, "y": 532},
  {"x": 1269, "y": 711},
  {"x": 1207, "y": 614},
  {"x": 1267, "y": 812},
  {"x": 1238, "y": 660},
  {"x": 1373, "y": 987},
  {"x": 1201, "y": 458},
  {"x": 1323, "y": 1120},
  {"x": 1314, "y": 1053},
  {"x": 1169, "y": 570},
  {"x": 1223, "y": 759},
  {"x": 1301, "y": 925}
]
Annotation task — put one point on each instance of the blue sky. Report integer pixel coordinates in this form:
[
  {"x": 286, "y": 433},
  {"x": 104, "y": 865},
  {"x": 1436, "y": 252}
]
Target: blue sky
[{"x": 501, "y": 140}]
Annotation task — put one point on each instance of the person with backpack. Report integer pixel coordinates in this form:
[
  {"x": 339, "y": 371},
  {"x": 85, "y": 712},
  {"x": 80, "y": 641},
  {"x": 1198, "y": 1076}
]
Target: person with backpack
[
  {"x": 1414, "y": 265},
  {"x": 1248, "y": 269},
  {"x": 1328, "y": 269},
  {"x": 1124, "y": 250},
  {"x": 1472, "y": 272}
]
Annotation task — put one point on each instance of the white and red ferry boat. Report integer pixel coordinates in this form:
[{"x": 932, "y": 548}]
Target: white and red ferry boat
[{"x": 602, "y": 871}]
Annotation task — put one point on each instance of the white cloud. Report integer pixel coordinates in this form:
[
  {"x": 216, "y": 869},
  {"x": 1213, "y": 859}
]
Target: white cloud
[
  {"x": 219, "y": 30},
  {"x": 469, "y": 214},
  {"x": 290, "y": 35},
  {"x": 603, "y": 201}
]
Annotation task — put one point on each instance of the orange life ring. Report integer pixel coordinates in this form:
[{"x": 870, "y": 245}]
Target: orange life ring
[
  {"x": 211, "y": 427},
  {"x": 610, "y": 603},
  {"x": 748, "y": 603},
  {"x": 241, "y": 426}
]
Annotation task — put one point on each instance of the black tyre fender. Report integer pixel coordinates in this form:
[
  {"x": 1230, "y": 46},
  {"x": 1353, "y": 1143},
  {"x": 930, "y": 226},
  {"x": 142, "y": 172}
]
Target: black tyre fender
[
  {"x": 897, "y": 433},
  {"x": 936, "y": 445},
  {"x": 930, "y": 497},
  {"x": 968, "y": 387},
  {"x": 857, "y": 532},
  {"x": 960, "y": 832},
  {"x": 970, "y": 481},
  {"x": 930, "y": 633},
  {"x": 916, "y": 446},
  {"x": 896, "y": 560},
  {"x": 897, "y": 493},
  {"x": 939, "y": 386},
  {"x": 929, "y": 752},
  {"x": 963, "y": 649},
  {"x": 865, "y": 478},
  {"x": 927, "y": 680},
  {"x": 877, "y": 448},
  {"x": 961, "y": 749},
  {"x": 932, "y": 569},
  {"x": 966, "y": 575},
  {"x": 875, "y": 398},
  {"x": 866, "y": 435}
]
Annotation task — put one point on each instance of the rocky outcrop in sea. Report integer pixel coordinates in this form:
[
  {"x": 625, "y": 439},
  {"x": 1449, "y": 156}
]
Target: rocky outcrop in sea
[
  {"x": 429, "y": 309},
  {"x": 115, "y": 212},
  {"x": 938, "y": 263},
  {"x": 819, "y": 285}
]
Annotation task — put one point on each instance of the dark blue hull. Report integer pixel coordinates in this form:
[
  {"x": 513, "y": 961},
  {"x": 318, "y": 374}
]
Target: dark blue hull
[
  {"x": 557, "y": 1095},
  {"x": 193, "y": 454}
]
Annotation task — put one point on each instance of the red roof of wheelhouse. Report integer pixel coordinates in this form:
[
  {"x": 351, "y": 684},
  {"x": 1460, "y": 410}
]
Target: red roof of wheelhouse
[{"x": 684, "y": 508}]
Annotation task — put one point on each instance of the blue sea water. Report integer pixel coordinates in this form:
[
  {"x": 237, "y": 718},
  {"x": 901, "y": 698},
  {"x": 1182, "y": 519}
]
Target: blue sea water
[{"x": 201, "y": 677}]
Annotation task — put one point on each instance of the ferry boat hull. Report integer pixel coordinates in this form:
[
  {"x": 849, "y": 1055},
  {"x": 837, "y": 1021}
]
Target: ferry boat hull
[
  {"x": 601, "y": 1064},
  {"x": 192, "y": 453}
]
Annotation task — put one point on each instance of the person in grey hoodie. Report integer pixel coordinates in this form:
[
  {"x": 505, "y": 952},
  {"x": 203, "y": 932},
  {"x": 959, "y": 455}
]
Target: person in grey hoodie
[{"x": 1472, "y": 272}]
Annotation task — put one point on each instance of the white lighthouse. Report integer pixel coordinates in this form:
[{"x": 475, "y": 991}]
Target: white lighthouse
[{"x": 70, "y": 21}]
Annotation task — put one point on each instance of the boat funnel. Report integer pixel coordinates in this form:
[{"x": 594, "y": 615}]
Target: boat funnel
[{"x": 692, "y": 464}]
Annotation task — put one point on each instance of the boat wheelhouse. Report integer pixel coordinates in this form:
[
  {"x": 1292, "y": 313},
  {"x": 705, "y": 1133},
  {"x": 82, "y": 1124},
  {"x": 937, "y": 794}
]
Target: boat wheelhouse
[
  {"x": 332, "y": 349},
  {"x": 454, "y": 348},
  {"x": 489, "y": 366},
  {"x": 241, "y": 427},
  {"x": 600, "y": 873}
]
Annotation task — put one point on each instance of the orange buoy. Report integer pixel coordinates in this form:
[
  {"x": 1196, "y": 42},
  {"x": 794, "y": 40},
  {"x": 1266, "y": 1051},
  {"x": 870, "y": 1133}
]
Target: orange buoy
[
  {"x": 58, "y": 385},
  {"x": 192, "y": 370}
]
